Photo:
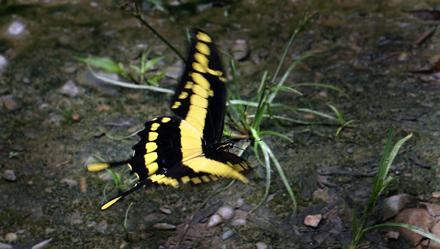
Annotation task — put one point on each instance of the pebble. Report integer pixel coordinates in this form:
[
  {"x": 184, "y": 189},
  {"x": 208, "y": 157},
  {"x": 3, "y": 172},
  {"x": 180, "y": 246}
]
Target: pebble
[
  {"x": 227, "y": 234},
  {"x": 226, "y": 212},
  {"x": 261, "y": 245},
  {"x": 436, "y": 195},
  {"x": 165, "y": 210},
  {"x": 16, "y": 28},
  {"x": 238, "y": 222},
  {"x": 9, "y": 175},
  {"x": 42, "y": 244},
  {"x": 69, "y": 182},
  {"x": 240, "y": 50},
  {"x": 11, "y": 237},
  {"x": 10, "y": 102},
  {"x": 393, "y": 235},
  {"x": 392, "y": 205},
  {"x": 417, "y": 217},
  {"x": 71, "y": 89},
  {"x": 214, "y": 220},
  {"x": 3, "y": 63},
  {"x": 164, "y": 226},
  {"x": 5, "y": 246},
  {"x": 312, "y": 220}
]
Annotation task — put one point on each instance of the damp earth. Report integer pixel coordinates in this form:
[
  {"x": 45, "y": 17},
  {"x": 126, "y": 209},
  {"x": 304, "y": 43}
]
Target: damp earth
[{"x": 56, "y": 116}]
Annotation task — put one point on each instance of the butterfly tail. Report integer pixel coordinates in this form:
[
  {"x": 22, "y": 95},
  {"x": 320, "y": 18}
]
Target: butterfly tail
[
  {"x": 101, "y": 166},
  {"x": 121, "y": 196}
]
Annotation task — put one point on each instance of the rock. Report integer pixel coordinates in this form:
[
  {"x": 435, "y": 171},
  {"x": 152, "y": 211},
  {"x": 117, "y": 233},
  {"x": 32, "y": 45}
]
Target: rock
[
  {"x": 391, "y": 206},
  {"x": 214, "y": 220},
  {"x": 226, "y": 212},
  {"x": 165, "y": 210},
  {"x": 433, "y": 209},
  {"x": 238, "y": 222},
  {"x": 11, "y": 237},
  {"x": 42, "y": 244},
  {"x": 227, "y": 234},
  {"x": 240, "y": 50},
  {"x": 16, "y": 29},
  {"x": 10, "y": 102},
  {"x": 436, "y": 195},
  {"x": 69, "y": 182},
  {"x": 261, "y": 245},
  {"x": 3, "y": 63},
  {"x": 164, "y": 226},
  {"x": 393, "y": 235},
  {"x": 71, "y": 89},
  {"x": 5, "y": 246},
  {"x": 417, "y": 217},
  {"x": 312, "y": 220},
  {"x": 436, "y": 231},
  {"x": 175, "y": 70},
  {"x": 9, "y": 175}
]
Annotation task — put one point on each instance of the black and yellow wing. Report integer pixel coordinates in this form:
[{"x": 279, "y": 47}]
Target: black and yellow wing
[
  {"x": 187, "y": 148},
  {"x": 200, "y": 97}
]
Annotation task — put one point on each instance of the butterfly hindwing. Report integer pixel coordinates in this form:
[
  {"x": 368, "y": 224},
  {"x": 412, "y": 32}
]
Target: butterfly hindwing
[{"x": 200, "y": 97}]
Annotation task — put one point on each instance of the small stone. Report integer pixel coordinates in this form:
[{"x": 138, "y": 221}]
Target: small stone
[
  {"x": 164, "y": 226},
  {"x": 240, "y": 50},
  {"x": 238, "y": 222},
  {"x": 261, "y": 245},
  {"x": 16, "y": 28},
  {"x": 10, "y": 102},
  {"x": 5, "y": 246},
  {"x": 82, "y": 184},
  {"x": 9, "y": 175},
  {"x": 392, "y": 205},
  {"x": 69, "y": 182},
  {"x": 226, "y": 212},
  {"x": 165, "y": 210},
  {"x": 433, "y": 209},
  {"x": 3, "y": 63},
  {"x": 42, "y": 244},
  {"x": 49, "y": 230},
  {"x": 71, "y": 89},
  {"x": 214, "y": 220},
  {"x": 175, "y": 70},
  {"x": 11, "y": 237},
  {"x": 312, "y": 220},
  {"x": 123, "y": 245},
  {"x": 393, "y": 235},
  {"x": 417, "y": 217},
  {"x": 227, "y": 234},
  {"x": 436, "y": 195},
  {"x": 76, "y": 117},
  {"x": 436, "y": 231}
]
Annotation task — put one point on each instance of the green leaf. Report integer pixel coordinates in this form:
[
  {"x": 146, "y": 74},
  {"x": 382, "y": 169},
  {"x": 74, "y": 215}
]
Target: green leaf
[
  {"x": 152, "y": 62},
  {"x": 153, "y": 80},
  {"x": 106, "y": 64}
]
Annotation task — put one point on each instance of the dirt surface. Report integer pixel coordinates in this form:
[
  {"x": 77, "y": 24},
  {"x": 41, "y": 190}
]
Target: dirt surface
[{"x": 49, "y": 130}]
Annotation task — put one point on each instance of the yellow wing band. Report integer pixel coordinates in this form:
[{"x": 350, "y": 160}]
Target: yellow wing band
[{"x": 97, "y": 166}]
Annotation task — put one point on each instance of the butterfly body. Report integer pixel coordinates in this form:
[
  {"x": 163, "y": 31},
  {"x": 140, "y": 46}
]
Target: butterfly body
[{"x": 188, "y": 147}]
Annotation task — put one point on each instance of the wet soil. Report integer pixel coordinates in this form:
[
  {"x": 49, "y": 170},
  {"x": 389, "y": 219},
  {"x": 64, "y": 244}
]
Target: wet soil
[{"x": 361, "y": 47}]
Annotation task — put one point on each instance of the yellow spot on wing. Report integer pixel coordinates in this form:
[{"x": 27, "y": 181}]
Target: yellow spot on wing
[
  {"x": 196, "y": 180},
  {"x": 205, "y": 178},
  {"x": 162, "y": 179},
  {"x": 152, "y": 168},
  {"x": 97, "y": 166},
  {"x": 152, "y": 136},
  {"x": 150, "y": 157},
  {"x": 203, "y": 48},
  {"x": 154, "y": 126},
  {"x": 183, "y": 95},
  {"x": 185, "y": 179},
  {"x": 200, "y": 80},
  {"x": 166, "y": 119},
  {"x": 203, "y": 37},
  {"x": 150, "y": 146},
  {"x": 202, "y": 59}
]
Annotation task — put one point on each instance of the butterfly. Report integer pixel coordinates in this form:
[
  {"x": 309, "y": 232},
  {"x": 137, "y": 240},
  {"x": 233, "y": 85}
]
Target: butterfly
[{"x": 187, "y": 147}]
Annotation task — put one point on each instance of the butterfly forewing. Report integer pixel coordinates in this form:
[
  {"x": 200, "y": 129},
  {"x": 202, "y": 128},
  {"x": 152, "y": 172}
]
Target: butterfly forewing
[{"x": 200, "y": 97}]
